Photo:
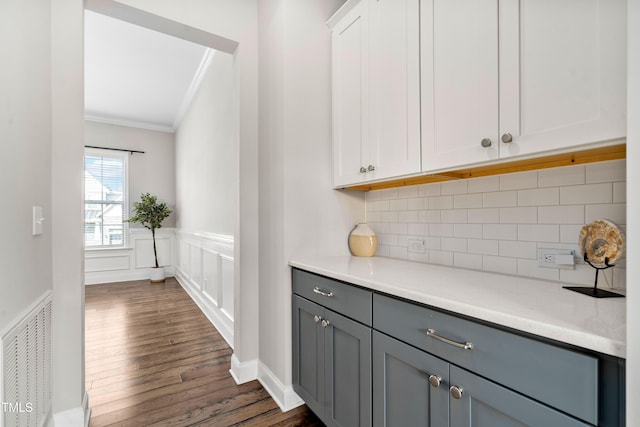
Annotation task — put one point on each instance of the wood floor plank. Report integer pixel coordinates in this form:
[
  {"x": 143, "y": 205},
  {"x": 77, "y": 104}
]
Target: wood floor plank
[{"x": 153, "y": 358}]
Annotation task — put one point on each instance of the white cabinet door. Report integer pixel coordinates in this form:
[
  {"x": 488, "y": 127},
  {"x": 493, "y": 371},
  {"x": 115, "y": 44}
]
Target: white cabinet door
[
  {"x": 394, "y": 88},
  {"x": 459, "y": 45},
  {"x": 350, "y": 81},
  {"x": 562, "y": 73}
]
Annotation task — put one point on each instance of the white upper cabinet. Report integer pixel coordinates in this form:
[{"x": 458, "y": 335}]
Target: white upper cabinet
[
  {"x": 376, "y": 90},
  {"x": 350, "y": 83},
  {"x": 503, "y": 78}
]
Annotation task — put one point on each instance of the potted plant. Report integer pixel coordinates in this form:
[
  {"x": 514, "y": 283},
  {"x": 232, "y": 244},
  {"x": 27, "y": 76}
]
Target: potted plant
[{"x": 150, "y": 214}]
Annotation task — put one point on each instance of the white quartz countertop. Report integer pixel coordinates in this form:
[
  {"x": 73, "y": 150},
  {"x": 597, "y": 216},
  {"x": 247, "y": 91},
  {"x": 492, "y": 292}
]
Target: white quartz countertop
[{"x": 538, "y": 307}]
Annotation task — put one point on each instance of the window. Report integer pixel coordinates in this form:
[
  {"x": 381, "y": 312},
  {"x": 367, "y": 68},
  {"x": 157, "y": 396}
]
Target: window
[{"x": 105, "y": 198}]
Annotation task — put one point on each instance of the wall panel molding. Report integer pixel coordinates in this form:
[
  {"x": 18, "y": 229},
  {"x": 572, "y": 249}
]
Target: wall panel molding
[{"x": 204, "y": 268}]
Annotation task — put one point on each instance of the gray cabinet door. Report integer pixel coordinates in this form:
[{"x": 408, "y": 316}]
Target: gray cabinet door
[
  {"x": 402, "y": 394},
  {"x": 486, "y": 404},
  {"x": 308, "y": 353},
  {"x": 347, "y": 372}
]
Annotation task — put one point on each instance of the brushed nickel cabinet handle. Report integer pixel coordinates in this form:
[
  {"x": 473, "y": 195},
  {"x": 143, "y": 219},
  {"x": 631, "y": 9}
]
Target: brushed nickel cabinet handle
[
  {"x": 456, "y": 392},
  {"x": 435, "y": 381},
  {"x": 486, "y": 142},
  {"x": 465, "y": 346},
  {"x": 325, "y": 323},
  {"x": 506, "y": 138},
  {"x": 319, "y": 291}
]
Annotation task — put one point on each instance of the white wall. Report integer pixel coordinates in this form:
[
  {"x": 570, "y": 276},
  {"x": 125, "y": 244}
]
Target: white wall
[
  {"x": 152, "y": 172},
  {"x": 298, "y": 209},
  {"x": 633, "y": 211},
  {"x": 206, "y": 154},
  {"x": 67, "y": 35},
  {"x": 25, "y": 164}
]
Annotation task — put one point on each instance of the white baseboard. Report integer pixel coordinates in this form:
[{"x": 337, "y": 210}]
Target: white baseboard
[
  {"x": 215, "y": 316},
  {"x": 94, "y": 278},
  {"x": 74, "y": 417},
  {"x": 284, "y": 396},
  {"x": 243, "y": 372}
]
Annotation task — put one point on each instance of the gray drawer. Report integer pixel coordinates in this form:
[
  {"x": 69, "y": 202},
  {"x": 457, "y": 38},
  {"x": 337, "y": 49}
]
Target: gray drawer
[
  {"x": 561, "y": 378},
  {"x": 340, "y": 297}
]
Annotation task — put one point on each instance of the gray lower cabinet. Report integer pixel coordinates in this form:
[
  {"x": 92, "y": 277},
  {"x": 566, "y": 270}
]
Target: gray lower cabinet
[
  {"x": 332, "y": 364},
  {"x": 361, "y": 358},
  {"x": 409, "y": 385}
]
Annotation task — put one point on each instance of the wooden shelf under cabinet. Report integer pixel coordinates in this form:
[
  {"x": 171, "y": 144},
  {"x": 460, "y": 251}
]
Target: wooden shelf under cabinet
[{"x": 613, "y": 152}]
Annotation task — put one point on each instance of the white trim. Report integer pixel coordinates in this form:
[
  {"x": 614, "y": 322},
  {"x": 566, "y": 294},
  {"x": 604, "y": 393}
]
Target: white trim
[
  {"x": 74, "y": 417},
  {"x": 193, "y": 87},
  {"x": 284, "y": 396},
  {"x": 243, "y": 372},
  {"x": 98, "y": 118}
]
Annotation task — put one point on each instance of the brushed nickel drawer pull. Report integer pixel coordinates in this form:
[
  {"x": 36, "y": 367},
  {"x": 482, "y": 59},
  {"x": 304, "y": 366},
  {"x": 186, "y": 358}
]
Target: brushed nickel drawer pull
[
  {"x": 319, "y": 291},
  {"x": 465, "y": 346}
]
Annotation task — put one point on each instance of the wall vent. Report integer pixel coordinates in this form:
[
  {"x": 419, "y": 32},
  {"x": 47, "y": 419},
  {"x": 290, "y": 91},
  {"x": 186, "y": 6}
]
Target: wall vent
[{"x": 25, "y": 391}]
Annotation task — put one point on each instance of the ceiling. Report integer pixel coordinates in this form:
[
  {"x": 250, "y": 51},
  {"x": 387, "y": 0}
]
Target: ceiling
[{"x": 139, "y": 77}]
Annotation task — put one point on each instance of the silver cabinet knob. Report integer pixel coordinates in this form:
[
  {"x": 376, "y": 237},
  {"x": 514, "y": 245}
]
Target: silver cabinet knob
[
  {"x": 325, "y": 323},
  {"x": 317, "y": 318},
  {"x": 486, "y": 142},
  {"x": 363, "y": 169},
  {"x": 506, "y": 138},
  {"x": 434, "y": 381},
  {"x": 456, "y": 392},
  {"x": 371, "y": 168}
]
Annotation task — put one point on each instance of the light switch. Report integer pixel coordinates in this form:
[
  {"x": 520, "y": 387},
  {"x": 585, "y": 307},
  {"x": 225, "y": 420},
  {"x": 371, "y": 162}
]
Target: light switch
[{"x": 38, "y": 219}]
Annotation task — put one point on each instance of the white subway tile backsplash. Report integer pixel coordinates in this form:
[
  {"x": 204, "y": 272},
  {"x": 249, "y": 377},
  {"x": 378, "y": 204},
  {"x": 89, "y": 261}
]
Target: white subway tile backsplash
[
  {"x": 398, "y": 252},
  {"x": 429, "y": 190},
  {"x": 500, "y": 199},
  {"x": 586, "y": 194},
  {"x": 539, "y": 232},
  {"x": 515, "y": 249},
  {"x": 556, "y": 177},
  {"x": 539, "y": 197},
  {"x": 517, "y": 181},
  {"x": 499, "y": 223},
  {"x": 528, "y": 215},
  {"x": 471, "y": 261},
  {"x": 569, "y": 233},
  {"x": 485, "y": 247},
  {"x": 500, "y": 231},
  {"x": 398, "y": 205},
  {"x": 441, "y": 230},
  {"x": 499, "y": 264},
  {"x": 408, "y": 192},
  {"x": 615, "y": 212},
  {"x": 484, "y": 184},
  {"x": 453, "y": 244},
  {"x": 440, "y": 257},
  {"x": 453, "y": 187},
  {"x": 461, "y": 201},
  {"x": 561, "y": 214},
  {"x": 440, "y": 202},
  {"x": 408, "y": 216},
  {"x": 470, "y": 231},
  {"x": 416, "y": 204},
  {"x": 619, "y": 192},
  {"x": 611, "y": 171},
  {"x": 453, "y": 216},
  {"x": 484, "y": 216}
]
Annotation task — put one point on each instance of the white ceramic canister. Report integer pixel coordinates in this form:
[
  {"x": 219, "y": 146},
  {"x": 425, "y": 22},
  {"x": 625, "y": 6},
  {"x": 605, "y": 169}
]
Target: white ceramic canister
[{"x": 363, "y": 240}]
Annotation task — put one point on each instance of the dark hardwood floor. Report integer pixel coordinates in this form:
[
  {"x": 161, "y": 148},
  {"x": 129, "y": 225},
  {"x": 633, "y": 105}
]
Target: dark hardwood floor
[{"x": 153, "y": 358}]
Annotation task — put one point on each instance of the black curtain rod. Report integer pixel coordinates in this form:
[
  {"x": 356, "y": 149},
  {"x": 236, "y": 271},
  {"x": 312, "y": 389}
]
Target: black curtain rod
[{"x": 115, "y": 149}]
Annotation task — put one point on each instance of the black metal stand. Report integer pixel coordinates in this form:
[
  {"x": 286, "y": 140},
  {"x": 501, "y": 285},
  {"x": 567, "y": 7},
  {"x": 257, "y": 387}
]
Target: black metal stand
[{"x": 595, "y": 292}]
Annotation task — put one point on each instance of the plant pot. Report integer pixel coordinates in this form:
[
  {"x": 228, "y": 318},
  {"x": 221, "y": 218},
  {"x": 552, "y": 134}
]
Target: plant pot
[{"x": 156, "y": 274}]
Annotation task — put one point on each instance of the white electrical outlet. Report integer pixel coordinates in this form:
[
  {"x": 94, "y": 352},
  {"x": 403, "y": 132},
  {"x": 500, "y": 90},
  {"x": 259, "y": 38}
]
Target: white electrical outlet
[
  {"x": 556, "y": 258},
  {"x": 417, "y": 246}
]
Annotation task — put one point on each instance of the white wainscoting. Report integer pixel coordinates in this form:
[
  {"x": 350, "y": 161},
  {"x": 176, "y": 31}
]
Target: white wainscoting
[
  {"x": 204, "y": 268},
  {"x": 133, "y": 262}
]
